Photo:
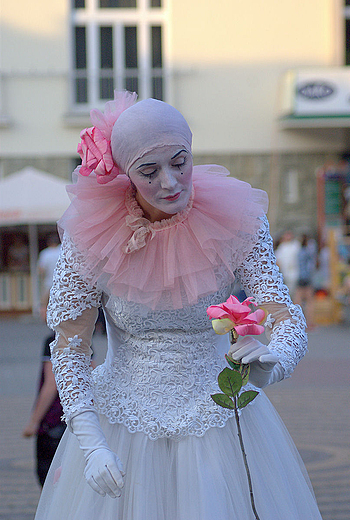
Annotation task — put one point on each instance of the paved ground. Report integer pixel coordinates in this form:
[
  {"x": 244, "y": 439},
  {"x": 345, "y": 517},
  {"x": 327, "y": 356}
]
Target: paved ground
[{"x": 314, "y": 405}]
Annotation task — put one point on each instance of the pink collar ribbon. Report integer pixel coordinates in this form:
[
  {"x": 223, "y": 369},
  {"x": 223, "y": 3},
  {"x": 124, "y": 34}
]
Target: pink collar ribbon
[{"x": 141, "y": 228}]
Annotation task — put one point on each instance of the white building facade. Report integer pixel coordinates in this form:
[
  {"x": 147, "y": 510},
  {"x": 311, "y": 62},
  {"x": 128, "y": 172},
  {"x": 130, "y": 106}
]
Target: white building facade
[{"x": 230, "y": 67}]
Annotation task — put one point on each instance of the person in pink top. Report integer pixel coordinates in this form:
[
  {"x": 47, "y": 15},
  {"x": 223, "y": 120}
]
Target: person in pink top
[{"x": 158, "y": 240}]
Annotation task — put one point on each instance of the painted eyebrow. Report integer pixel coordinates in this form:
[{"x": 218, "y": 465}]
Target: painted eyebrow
[
  {"x": 178, "y": 153},
  {"x": 146, "y": 164},
  {"x": 153, "y": 163}
]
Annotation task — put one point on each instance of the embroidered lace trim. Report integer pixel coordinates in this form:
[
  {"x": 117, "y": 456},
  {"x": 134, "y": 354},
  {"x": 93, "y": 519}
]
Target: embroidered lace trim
[
  {"x": 70, "y": 293},
  {"x": 261, "y": 278},
  {"x": 161, "y": 386},
  {"x": 70, "y": 296},
  {"x": 72, "y": 371}
]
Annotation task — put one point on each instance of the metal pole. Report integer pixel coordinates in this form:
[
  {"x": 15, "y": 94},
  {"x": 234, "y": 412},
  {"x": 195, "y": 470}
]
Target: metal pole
[{"x": 33, "y": 261}]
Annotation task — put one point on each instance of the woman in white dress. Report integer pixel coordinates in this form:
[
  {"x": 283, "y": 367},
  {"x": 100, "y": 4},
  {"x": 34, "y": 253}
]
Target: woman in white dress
[{"x": 157, "y": 241}]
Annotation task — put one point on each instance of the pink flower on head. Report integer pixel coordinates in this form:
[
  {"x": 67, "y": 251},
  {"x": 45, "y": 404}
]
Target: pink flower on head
[
  {"x": 96, "y": 155},
  {"x": 95, "y": 146},
  {"x": 233, "y": 314}
]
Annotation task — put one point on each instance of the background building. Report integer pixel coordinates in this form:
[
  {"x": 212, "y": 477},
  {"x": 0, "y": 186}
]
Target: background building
[{"x": 258, "y": 82}]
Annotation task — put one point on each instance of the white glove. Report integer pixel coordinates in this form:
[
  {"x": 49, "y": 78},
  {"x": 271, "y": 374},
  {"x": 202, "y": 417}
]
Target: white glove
[
  {"x": 104, "y": 470},
  {"x": 264, "y": 369}
]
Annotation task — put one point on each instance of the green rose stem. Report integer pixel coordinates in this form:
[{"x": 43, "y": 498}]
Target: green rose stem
[
  {"x": 231, "y": 381},
  {"x": 251, "y": 495}
]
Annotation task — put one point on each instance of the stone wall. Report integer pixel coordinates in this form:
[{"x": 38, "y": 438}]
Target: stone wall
[{"x": 289, "y": 179}]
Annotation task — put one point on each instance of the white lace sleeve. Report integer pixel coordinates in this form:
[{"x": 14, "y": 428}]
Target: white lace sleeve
[
  {"x": 72, "y": 312},
  {"x": 70, "y": 294},
  {"x": 285, "y": 323}
]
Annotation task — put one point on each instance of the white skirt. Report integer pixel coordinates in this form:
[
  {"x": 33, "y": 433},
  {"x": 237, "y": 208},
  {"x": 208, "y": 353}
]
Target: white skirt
[{"x": 195, "y": 478}]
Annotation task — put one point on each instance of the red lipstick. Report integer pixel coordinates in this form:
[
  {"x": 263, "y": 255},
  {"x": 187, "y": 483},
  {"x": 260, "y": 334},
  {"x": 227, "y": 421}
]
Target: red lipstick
[{"x": 171, "y": 198}]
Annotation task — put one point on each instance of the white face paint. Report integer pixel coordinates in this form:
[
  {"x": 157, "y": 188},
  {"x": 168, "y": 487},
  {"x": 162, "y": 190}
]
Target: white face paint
[{"x": 163, "y": 180}]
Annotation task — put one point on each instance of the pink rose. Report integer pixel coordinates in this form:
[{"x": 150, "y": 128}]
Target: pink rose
[
  {"x": 233, "y": 314},
  {"x": 95, "y": 147},
  {"x": 96, "y": 155}
]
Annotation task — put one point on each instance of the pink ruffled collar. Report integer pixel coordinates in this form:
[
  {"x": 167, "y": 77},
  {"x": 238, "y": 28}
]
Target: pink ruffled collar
[
  {"x": 169, "y": 263},
  {"x": 142, "y": 228}
]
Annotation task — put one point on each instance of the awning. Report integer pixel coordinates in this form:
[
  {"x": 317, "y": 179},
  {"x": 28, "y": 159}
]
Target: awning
[{"x": 32, "y": 197}]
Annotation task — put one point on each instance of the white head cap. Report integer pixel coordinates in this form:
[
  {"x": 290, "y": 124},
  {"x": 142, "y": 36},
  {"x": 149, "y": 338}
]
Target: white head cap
[{"x": 144, "y": 126}]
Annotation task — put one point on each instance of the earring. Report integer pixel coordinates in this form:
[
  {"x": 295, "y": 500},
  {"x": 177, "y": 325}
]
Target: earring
[{"x": 149, "y": 182}]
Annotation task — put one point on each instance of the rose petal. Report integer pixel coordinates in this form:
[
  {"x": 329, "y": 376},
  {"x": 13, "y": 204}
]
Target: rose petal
[
  {"x": 222, "y": 326},
  {"x": 236, "y": 311},
  {"x": 233, "y": 300},
  {"x": 215, "y": 311},
  {"x": 258, "y": 315},
  {"x": 249, "y": 301},
  {"x": 251, "y": 319},
  {"x": 249, "y": 329}
]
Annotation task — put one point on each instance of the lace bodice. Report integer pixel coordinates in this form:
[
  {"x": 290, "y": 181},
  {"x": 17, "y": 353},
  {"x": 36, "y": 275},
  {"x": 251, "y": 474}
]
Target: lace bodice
[
  {"x": 161, "y": 366},
  {"x": 160, "y": 372}
]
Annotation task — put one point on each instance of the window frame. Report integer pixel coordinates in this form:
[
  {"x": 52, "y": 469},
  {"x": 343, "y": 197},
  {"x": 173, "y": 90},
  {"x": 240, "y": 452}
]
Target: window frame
[{"x": 92, "y": 17}]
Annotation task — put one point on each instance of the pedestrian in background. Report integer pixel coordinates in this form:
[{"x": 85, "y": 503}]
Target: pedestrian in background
[
  {"x": 46, "y": 265},
  {"x": 45, "y": 420},
  {"x": 287, "y": 260},
  {"x": 304, "y": 294}
]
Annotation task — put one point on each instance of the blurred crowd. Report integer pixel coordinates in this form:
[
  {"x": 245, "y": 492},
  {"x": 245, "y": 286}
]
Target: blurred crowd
[{"x": 306, "y": 269}]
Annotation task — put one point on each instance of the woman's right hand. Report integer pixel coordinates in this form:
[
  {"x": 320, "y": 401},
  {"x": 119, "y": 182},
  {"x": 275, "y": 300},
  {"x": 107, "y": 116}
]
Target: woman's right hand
[
  {"x": 104, "y": 470},
  {"x": 262, "y": 361}
]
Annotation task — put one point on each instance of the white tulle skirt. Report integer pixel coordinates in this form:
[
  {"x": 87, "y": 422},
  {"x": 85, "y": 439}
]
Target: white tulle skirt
[{"x": 196, "y": 478}]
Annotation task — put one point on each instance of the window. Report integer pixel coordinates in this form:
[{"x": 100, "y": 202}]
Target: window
[
  {"x": 157, "y": 62},
  {"x": 347, "y": 42},
  {"x": 80, "y": 65},
  {"x": 117, "y": 3},
  {"x": 117, "y": 44},
  {"x": 130, "y": 58},
  {"x": 106, "y": 63},
  {"x": 347, "y": 31}
]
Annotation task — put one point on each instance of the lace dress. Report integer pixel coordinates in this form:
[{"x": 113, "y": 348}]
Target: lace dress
[{"x": 179, "y": 449}]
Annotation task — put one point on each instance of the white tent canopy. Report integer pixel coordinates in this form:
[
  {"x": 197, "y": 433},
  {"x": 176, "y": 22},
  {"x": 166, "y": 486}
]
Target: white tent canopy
[{"x": 32, "y": 197}]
